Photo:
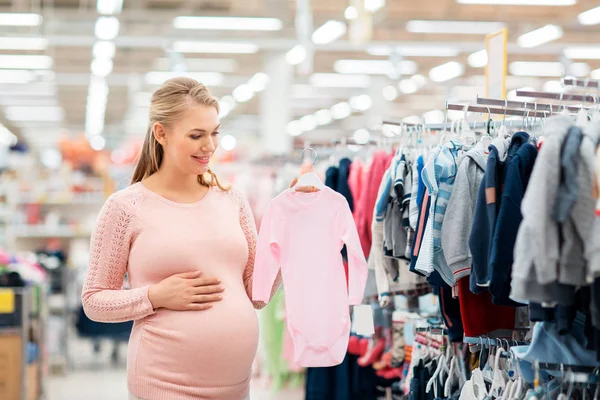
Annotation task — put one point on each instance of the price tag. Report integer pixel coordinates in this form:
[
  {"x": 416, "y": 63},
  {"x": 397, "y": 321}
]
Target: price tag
[{"x": 7, "y": 301}]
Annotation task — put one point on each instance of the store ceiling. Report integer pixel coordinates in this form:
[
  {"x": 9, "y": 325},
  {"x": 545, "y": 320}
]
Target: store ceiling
[{"x": 54, "y": 101}]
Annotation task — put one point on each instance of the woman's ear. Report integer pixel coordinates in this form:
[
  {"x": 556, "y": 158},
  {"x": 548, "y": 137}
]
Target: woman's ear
[{"x": 159, "y": 132}]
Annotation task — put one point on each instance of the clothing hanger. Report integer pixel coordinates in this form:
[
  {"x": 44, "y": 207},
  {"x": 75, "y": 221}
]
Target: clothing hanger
[
  {"x": 309, "y": 178},
  {"x": 582, "y": 115}
]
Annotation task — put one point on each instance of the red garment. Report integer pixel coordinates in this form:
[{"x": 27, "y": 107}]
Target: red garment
[
  {"x": 368, "y": 198},
  {"x": 479, "y": 315},
  {"x": 355, "y": 182}
]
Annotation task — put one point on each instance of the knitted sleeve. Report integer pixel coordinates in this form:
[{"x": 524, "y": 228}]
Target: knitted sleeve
[
  {"x": 103, "y": 296},
  {"x": 249, "y": 228}
]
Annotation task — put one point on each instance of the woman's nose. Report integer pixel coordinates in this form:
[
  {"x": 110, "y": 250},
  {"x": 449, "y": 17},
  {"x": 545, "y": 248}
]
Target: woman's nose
[{"x": 208, "y": 146}]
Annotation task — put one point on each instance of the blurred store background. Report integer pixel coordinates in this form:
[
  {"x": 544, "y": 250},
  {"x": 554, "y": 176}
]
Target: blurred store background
[{"x": 76, "y": 77}]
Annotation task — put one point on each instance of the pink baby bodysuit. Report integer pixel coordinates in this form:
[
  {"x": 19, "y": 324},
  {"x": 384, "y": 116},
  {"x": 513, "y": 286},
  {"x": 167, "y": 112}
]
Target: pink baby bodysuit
[{"x": 303, "y": 234}]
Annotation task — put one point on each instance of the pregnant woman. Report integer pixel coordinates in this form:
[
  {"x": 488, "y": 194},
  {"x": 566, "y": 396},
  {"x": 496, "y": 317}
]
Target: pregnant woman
[{"x": 187, "y": 245}]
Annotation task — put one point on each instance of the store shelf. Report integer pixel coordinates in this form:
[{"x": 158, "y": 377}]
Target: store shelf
[
  {"x": 91, "y": 199},
  {"x": 43, "y": 231}
]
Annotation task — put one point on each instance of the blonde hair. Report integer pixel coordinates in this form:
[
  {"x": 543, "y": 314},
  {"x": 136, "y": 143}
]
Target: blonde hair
[{"x": 169, "y": 102}]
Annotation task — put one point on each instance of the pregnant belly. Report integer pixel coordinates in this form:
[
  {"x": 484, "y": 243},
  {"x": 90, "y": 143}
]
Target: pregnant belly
[{"x": 211, "y": 348}]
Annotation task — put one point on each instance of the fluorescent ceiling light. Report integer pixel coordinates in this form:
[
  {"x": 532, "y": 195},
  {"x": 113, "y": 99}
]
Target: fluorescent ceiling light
[
  {"x": 595, "y": 74},
  {"x": 107, "y": 28},
  {"x": 323, "y": 117},
  {"x": 553, "y": 86},
  {"x": 25, "y": 62},
  {"x": 27, "y": 113},
  {"x": 526, "y": 68},
  {"x": 109, "y": 7},
  {"x": 104, "y": 50},
  {"x": 206, "y": 78},
  {"x": 478, "y": 59},
  {"x": 374, "y": 5},
  {"x": 20, "y": 19},
  {"x": 407, "y": 86},
  {"x": 296, "y": 55},
  {"x": 455, "y": 27},
  {"x": 97, "y": 143},
  {"x": 447, "y": 71},
  {"x": 414, "y": 51},
  {"x": 228, "y": 142},
  {"x": 341, "y": 110},
  {"x": 308, "y": 123},
  {"x": 294, "y": 128},
  {"x": 339, "y": 80},
  {"x": 101, "y": 67},
  {"x": 228, "y": 23},
  {"x": 520, "y": 2},
  {"x": 199, "y": 64},
  {"x": 540, "y": 36},
  {"x": 351, "y": 13},
  {"x": 390, "y": 93},
  {"x": 362, "y": 136},
  {"x": 16, "y": 76},
  {"x": 583, "y": 53},
  {"x": 13, "y": 43},
  {"x": 590, "y": 17},
  {"x": 243, "y": 93},
  {"x": 383, "y": 67},
  {"x": 215, "y": 47},
  {"x": 361, "y": 102},
  {"x": 259, "y": 82},
  {"x": 329, "y": 32},
  {"x": 578, "y": 70}
]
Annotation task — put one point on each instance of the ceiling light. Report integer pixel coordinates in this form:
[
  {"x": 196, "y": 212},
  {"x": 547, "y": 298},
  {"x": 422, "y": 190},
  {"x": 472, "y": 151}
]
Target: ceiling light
[
  {"x": 520, "y": 2},
  {"x": 383, "y": 67},
  {"x": 197, "y": 64},
  {"x": 583, "y": 53},
  {"x": 339, "y": 80},
  {"x": 293, "y": 128},
  {"x": 323, "y": 117},
  {"x": 13, "y": 43},
  {"x": 51, "y": 158},
  {"x": 329, "y": 32},
  {"x": 20, "y": 19},
  {"x": 228, "y": 142},
  {"x": 226, "y": 105},
  {"x": 540, "y": 36},
  {"x": 107, "y": 28},
  {"x": 97, "y": 142},
  {"x": 455, "y": 27},
  {"x": 590, "y": 17},
  {"x": 578, "y": 70},
  {"x": 259, "y": 81},
  {"x": 446, "y": 71},
  {"x": 243, "y": 93},
  {"x": 16, "y": 76},
  {"x": 215, "y": 47},
  {"x": 553, "y": 87},
  {"x": 374, "y": 5},
  {"x": 308, "y": 123},
  {"x": 420, "y": 80},
  {"x": 595, "y": 74},
  {"x": 413, "y": 51},
  {"x": 361, "y": 102},
  {"x": 525, "y": 68},
  {"x": 296, "y": 55},
  {"x": 434, "y": 117},
  {"x": 362, "y": 136},
  {"x": 101, "y": 67},
  {"x": 351, "y": 13},
  {"x": 341, "y": 110},
  {"x": 103, "y": 50},
  {"x": 25, "y": 62},
  {"x": 413, "y": 119},
  {"x": 228, "y": 23},
  {"x": 407, "y": 86},
  {"x": 390, "y": 93},
  {"x": 31, "y": 113},
  {"x": 478, "y": 59},
  {"x": 206, "y": 78},
  {"x": 108, "y": 7}
]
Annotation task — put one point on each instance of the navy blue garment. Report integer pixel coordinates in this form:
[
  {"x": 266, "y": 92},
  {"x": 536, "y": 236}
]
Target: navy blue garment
[
  {"x": 450, "y": 309},
  {"x": 507, "y": 225},
  {"x": 342, "y": 186},
  {"x": 331, "y": 177},
  {"x": 486, "y": 211}
]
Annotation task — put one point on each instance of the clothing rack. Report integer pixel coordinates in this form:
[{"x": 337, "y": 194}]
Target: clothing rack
[
  {"x": 585, "y": 83},
  {"x": 559, "y": 96},
  {"x": 498, "y": 111},
  {"x": 552, "y": 108},
  {"x": 491, "y": 341}
]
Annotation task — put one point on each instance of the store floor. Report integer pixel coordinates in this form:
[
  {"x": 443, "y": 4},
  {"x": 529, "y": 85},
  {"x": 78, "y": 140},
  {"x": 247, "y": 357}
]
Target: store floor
[{"x": 100, "y": 379}]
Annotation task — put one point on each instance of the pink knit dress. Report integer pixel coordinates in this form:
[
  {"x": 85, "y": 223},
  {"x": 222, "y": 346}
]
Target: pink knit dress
[{"x": 177, "y": 355}]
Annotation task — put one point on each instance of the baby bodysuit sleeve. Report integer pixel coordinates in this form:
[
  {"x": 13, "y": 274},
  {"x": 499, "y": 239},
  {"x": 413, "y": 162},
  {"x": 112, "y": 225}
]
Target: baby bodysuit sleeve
[
  {"x": 249, "y": 228},
  {"x": 103, "y": 296},
  {"x": 357, "y": 265},
  {"x": 267, "y": 263}
]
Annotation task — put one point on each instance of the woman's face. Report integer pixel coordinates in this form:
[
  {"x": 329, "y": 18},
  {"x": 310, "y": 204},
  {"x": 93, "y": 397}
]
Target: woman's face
[{"x": 191, "y": 142}]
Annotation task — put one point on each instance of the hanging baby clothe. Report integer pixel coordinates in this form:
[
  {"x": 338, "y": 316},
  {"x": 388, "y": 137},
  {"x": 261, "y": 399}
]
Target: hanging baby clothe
[{"x": 303, "y": 234}]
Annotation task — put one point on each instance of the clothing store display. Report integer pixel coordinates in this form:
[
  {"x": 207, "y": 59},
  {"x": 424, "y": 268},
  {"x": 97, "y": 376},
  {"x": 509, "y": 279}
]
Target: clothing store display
[
  {"x": 130, "y": 237},
  {"x": 303, "y": 233}
]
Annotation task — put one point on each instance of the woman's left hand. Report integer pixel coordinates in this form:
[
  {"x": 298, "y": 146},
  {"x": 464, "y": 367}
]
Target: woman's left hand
[{"x": 303, "y": 189}]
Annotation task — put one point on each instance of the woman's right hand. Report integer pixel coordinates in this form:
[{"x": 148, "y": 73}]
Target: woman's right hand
[{"x": 186, "y": 292}]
